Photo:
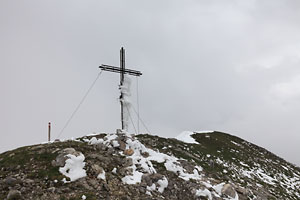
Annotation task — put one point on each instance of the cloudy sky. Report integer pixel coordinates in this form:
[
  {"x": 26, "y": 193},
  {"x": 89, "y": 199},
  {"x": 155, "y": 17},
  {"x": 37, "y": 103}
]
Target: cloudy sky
[{"x": 230, "y": 65}]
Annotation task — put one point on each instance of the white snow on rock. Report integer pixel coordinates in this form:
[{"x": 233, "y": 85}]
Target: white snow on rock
[
  {"x": 114, "y": 170},
  {"x": 171, "y": 163},
  {"x": 218, "y": 188},
  {"x": 204, "y": 131},
  {"x": 186, "y": 137},
  {"x": 115, "y": 143},
  {"x": 83, "y": 197},
  {"x": 101, "y": 175},
  {"x": 74, "y": 167},
  {"x": 152, "y": 187},
  {"x": 235, "y": 198},
  {"x": 163, "y": 183},
  {"x": 135, "y": 178},
  {"x": 204, "y": 193}
]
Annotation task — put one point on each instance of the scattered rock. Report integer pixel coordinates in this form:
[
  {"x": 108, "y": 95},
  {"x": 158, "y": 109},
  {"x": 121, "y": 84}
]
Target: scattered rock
[
  {"x": 128, "y": 162},
  {"x": 10, "y": 181},
  {"x": 228, "y": 190},
  {"x": 51, "y": 189},
  {"x": 62, "y": 157},
  {"x": 28, "y": 181},
  {"x": 145, "y": 154},
  {"x": 14, "y": 195},
  {"x": 129, "y": 152},
  {"x": 83, "y": 183},
  {"x": 97, "y": 169},
  {"x": 122, "y": 145}
]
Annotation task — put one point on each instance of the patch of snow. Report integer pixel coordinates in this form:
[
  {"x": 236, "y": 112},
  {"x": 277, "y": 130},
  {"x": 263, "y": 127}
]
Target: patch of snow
[
  {"x": 171, "y": 163},
  {"x": 208, "y": 185},
  {"x": 218, "y": 188},
  {"x": 199, "y": 168},
  {"x": 246, "y": 173},
  {"x": 204, "y": 131},
  {"x": 145, "y": 165},
  {"x": 186, "y": 137},
  {"x": 266, "y": 178},
  {"x": 233, "y": 142},
  {"x": 162, "y": 184},
  {"x": 133, "y": 179},
  {"x": 244, "y": 164},
  {"x": 74, "y": 167},
  {"x": 94, "y": 140},
  {"x": 284, "y": 167},
  {"x": 83, "y": 197},
  {"x": 204, "y": 193},
  {"x": 235, "y": 198},
  {"x": 152, "y": 187},
  {"x": 101, "y": 175},
  {"x": 114, "y": 170},
  {"x": 115, "y": 143},
  {"x": 208, "y": 155}
]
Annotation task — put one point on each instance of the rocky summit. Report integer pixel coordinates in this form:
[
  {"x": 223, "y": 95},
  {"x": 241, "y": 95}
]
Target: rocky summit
[{"x": 206, "y": 165}]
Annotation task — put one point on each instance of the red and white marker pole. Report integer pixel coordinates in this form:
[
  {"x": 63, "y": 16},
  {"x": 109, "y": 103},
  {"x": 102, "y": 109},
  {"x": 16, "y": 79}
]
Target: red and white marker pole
[{"x": 49, "y": 131}]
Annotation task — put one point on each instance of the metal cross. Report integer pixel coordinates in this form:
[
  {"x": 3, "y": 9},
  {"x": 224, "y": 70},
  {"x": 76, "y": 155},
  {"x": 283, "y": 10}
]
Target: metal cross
[{"x": 122, "y": 72}]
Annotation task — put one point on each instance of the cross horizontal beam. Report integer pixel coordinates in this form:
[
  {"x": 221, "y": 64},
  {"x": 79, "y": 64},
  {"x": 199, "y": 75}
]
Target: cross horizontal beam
[{"x": 119, "y": 70}]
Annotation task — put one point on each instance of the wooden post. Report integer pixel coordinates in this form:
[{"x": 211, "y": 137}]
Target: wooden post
[{"x": 49, "y": 131}]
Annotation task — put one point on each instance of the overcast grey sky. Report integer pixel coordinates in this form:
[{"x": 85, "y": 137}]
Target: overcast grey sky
[{"x": 227, "y": 65}]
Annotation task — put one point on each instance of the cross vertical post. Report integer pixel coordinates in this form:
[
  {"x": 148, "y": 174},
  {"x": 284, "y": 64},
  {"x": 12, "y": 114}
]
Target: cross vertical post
[
  {"x": 122, "y": 66},
  {"x": 122, "y": 72}
]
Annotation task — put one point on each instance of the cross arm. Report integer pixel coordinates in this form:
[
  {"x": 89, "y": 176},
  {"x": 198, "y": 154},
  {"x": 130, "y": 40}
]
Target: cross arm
[{"x": 119, "y": 70}]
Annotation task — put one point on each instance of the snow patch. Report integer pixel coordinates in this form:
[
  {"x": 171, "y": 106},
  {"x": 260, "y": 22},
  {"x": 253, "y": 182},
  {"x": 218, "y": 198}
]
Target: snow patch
[
  {"x": 101, "y": 175},
  {"x": 204, "y": 193},
  {"x": 114, "y": 170},
  {"x": 74, "y": 167},
  {"x": 163, "y": 183},
  {"x": 186, "y": 137}
]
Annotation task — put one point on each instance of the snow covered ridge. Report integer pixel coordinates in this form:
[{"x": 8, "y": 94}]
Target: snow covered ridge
[
  {"x": 220, "y": 166},
  {"x": 142, "y": 164},
  {"x": 144, "y": 159},
  {"x": 139, "y": 159},
  {"x": 186, "y": 136}
]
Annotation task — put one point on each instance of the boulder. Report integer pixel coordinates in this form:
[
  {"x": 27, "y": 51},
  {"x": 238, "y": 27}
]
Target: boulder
[
  {"x": 14, "y": 195},
  {"x": 228, "y": 190},
  {"x": 122, "y": 145},
  {"x": 97, "y": 169},
  {"x": 62, "y": 157},
  {"x": 129, "y": 152},
  {"x": 10, "y": 181}
]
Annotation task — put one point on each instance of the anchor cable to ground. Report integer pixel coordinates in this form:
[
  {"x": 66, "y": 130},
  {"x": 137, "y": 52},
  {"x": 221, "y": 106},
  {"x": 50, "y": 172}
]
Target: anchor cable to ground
[{"x": 80, "y": 103}]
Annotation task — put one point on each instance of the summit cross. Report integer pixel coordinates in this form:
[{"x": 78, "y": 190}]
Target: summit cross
[{"x": 122, "y": 72}]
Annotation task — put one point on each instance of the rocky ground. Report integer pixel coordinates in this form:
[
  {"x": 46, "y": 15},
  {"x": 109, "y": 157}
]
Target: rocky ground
[{"x": 123, "y": 166}]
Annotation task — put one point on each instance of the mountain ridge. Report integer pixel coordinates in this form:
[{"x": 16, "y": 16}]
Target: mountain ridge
[{"x": 215, "y": 165}]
